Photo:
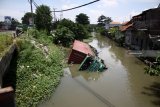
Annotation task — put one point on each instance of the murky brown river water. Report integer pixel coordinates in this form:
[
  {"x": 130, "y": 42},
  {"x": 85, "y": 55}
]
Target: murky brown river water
[{"x": 123, "y": 84}]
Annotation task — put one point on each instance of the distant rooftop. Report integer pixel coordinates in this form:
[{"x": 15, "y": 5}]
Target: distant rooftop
[{"x": 115, "y": 23}]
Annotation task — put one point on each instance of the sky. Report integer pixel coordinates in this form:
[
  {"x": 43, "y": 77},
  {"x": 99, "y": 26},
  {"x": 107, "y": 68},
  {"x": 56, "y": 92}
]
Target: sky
[{"x": 118, "y": 10}]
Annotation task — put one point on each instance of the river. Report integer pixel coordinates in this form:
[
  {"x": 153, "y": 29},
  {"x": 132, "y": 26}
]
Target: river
[{"x": 123, "y": 84}]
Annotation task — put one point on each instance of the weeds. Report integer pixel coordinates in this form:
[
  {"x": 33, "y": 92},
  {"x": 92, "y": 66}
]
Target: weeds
[
  {"x": 37, "y": 76},
  {"x": 5, "y": 41}
]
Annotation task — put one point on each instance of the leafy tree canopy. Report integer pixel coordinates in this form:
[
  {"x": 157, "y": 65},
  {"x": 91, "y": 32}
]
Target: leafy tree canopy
[
  {"x": 14, "y": 23},
  {"x": 26, "y": 17},
  {"x": 82, "y": 19},
  {"x": 63, "y": 36},
  {"x": 102, "y": 20},
  {"x": 79, "y": 30},
  {"x": 43, "y": 18}
]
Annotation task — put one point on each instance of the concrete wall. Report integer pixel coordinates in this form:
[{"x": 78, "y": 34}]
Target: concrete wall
[{"x": 5, "y": 62}]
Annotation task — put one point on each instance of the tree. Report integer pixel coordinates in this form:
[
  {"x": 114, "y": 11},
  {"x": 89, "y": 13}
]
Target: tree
[
  {"x": 63, "y": 36},
  {"x": 43, "y": 18},
  {"x": 102, "y": 20},
  {"x": 67, "y": 23},
  {"x": 1, "y": 24},
  {"x": 82, "y": 19},
  {"x": 25, "y": 19},
  {"x": 14, "y": 23},
  {"x": 80, "y": 32}
]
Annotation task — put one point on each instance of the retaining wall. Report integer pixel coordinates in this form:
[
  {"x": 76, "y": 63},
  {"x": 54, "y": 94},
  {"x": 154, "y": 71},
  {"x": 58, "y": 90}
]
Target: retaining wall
[{"x": 5, "y": 62}]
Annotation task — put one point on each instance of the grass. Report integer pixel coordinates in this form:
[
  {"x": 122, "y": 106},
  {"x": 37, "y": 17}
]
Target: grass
[
  {"x": 37, "y": 76},
  {"x": 5, "y": 41}
]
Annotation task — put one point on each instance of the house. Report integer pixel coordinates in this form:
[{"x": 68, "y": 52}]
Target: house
[
  {"x": 127, "y": 30},
  {"x": 79, "y": 51},
  {"x": 112, "y": 24},
  {"x": 142, "y": 32},
  {"x": 115, "y": 24}
]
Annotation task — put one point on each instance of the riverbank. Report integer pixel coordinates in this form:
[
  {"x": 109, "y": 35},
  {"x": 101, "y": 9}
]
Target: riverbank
[
  {"x": 123, "y": 84},
  {"x": 39, "y": 68}
]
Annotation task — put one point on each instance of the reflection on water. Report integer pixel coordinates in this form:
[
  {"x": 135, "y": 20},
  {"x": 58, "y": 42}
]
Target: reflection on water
[
  {"x": 88, "y": 76},
  {"x": 123, "y": 84}
]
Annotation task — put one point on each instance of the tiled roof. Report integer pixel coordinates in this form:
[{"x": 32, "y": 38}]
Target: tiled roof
[
  {"x": 115, "y": 23},
  {"x": 125, "y": 27}
]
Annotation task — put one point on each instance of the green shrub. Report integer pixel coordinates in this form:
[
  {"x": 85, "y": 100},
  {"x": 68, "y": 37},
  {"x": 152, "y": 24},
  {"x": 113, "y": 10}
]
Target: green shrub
[
  {"x": 37, "y": 76},
  {"x": 80, "y": 31},
  {"x": 40, "y": 36},
  {"x": 154, "y": 70},
  {"x": 63, "y": 36},
  {"x": 5, "y": 41}
]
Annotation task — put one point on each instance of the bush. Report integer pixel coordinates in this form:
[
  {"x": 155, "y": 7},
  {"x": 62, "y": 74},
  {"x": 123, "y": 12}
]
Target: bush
[
  {"x": 102, "y": 30},
  {"x": 63, "y": 36},
  {"x": 37, "y": 76},
  {"x": 5, "y": 41},
  {"x": 40, "y": 36},
  {"x": 80, "y": 31},
  {"x": 154, "y": 70}
]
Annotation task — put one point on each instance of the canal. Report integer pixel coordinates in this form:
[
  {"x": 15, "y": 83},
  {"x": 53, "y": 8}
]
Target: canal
[{"x": 123, "y": 84}]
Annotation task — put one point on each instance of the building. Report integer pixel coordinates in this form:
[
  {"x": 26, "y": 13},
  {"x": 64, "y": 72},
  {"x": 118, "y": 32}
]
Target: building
[
  {"x": 127, "y": 29},
  {"x": 115, "y": 24},
  {"x": 112, "y": 24},
  {"x": 7, "y": 22},
  {"x": 142, "y": 32}
]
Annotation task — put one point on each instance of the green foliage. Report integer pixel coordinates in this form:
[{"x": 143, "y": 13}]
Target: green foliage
[
  {"x": 26, "y": 17},
  {"x": 113, "y": 31},
  {"x": 63, "y": 36},
  {"x": 92, "y": 27},
  {"x": 154, "y": 70},
  {"x": 79, "y": 31},
  {"x": 40, "y": 36},
  {"x": 37, "y": 76},
  {"x": 102, "y": 20},
  {"x": 82, "y": 19},
  {"x": 14, "y": 23},
  {"x": 43, "y": 18},
  {"x": 67, "y": 23},
  {"x": 5, "y": 41},
  {"x": 102, "y": 30}
]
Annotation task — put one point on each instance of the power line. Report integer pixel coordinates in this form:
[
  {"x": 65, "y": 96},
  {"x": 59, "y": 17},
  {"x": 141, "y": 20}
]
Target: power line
[{"x": 76, "y": 6}]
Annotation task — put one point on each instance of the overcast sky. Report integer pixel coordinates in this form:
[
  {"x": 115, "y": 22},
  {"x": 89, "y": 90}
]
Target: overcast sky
[{"x": 118, "y": 10}]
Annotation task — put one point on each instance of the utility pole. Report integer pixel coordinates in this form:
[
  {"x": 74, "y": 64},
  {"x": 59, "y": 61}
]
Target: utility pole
[
  {"x": 61, "y": 15},
  {"x": 54, "y": 14},
  {"x": 32, "y": 20}
]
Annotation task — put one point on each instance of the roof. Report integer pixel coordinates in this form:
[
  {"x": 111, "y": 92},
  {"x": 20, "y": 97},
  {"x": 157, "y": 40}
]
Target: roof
[
  {"x": 115, "y": 23},
  {"x": 125, "y": 27},
  {"x": 82, "y": 47},
  {"x": 125, "y": 23}
]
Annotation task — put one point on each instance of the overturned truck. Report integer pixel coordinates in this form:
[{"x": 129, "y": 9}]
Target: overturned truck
[{"x": 83, "y": 54}]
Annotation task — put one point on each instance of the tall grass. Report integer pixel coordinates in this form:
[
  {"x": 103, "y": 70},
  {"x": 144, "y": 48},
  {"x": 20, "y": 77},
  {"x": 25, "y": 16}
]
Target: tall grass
[
  {"x": 37, "y": 76},
  {"x": 5, "y": 41}
]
